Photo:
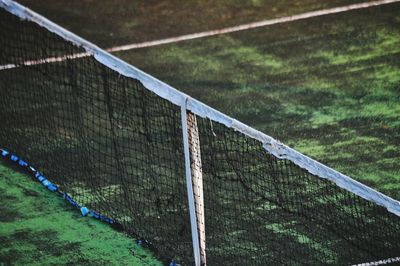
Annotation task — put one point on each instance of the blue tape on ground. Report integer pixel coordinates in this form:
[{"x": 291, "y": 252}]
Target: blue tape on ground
[
  {"x": 4, "y": 153},
  {"x": 22, "y": 163},
  {"x": 68, "y": 198},
  {"x": 99, "y": 217},
  {"x": 84, "y": 211},
  {"x": 52, "y": 187},
  {"x": 46, "y": 182},
  {"x": 94, "y": 215}
]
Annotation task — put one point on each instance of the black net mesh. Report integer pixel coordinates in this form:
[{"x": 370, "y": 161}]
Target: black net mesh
[
  {"x": 260, "y": 210},
  {"x": 116, "y": 148},
  {"x": 111, "y": 144}
]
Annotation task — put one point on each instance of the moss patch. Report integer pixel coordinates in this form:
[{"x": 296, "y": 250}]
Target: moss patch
[{"x": 39, "y": 228}]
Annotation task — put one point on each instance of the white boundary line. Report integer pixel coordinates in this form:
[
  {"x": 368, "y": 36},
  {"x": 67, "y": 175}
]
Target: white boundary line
[
  {"x": 253, "y": 25},
  {"x": 46, "y": 60},
  {"x": 176, "y": 97},
  {"x": 380, "y": 262},
  {"x": 204, "y": 34}
]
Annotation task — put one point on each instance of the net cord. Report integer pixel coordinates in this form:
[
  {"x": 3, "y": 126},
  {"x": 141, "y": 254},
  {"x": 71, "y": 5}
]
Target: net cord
[
  {"x": 176, "y": 97},
  {"x": 189, "y": 186}
]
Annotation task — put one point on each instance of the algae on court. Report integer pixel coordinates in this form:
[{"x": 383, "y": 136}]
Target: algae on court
[
  {"x": 328, "y": 86},
  {"x": 111, "y": 24},
  {"x": 39, "y": 228}
]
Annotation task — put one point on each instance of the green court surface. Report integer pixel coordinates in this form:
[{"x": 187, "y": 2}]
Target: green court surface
[
  {"x": 111, "y": 23},
  {"x": 327, "y": 86},
  {"x": 39, "y": 228}
]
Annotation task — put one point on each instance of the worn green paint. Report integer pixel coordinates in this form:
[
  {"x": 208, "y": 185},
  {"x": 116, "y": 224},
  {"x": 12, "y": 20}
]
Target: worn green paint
[
  {"x": 39, "y": 228},
  {"x": 328, "y": 86}
]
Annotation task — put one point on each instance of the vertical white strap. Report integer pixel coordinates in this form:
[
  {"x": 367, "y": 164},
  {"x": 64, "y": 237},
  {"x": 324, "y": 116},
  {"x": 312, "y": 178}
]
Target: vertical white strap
[
  {"x": 197, "y": 180},
  {"x": 189, "y": 186}
]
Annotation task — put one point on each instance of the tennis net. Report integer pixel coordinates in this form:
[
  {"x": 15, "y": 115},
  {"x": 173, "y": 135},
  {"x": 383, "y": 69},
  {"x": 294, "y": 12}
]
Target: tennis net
[{"x": 195, "y": 184}]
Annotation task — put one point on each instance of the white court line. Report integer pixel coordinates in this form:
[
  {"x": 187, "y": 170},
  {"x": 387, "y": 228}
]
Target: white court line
[
  {"x": 46, "y": 60},
  {"x": 203, "y": 34},
  {"x": 253, "y": 25},
  {"x": 380, "y": 262}
]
